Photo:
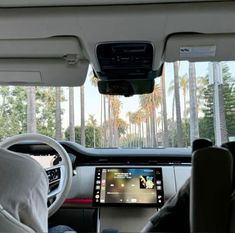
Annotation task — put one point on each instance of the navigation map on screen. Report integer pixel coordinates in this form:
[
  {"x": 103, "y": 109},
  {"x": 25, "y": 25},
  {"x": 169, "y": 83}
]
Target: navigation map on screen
[{"x": 128, "y": 186}]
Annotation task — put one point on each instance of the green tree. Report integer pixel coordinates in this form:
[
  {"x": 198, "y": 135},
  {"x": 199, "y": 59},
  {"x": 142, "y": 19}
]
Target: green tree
[
  {"x": 206, "y": 123},
  {"x": 93, "y": 123},
  {"x": 12, "y": 111},
  {"x": 45, "y": 110},
  {"x": 229, "y": 100},
  {"x": 89, "y": 131}
]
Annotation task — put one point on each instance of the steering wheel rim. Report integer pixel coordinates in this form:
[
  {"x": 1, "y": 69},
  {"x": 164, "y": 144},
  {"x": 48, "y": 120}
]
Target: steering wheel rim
[{"x": 65, "y": 165}]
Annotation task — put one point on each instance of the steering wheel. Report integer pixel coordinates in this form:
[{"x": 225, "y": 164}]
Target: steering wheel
[{"x": 60, "y": 174}]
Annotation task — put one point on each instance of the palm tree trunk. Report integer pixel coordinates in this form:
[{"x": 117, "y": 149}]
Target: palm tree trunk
[
  {"x": 71, "y": 115},
  {"x": 179, "y": 135},
  {"x": 101, "y": 118},
  {"x": 185, "y": 110},
  {"x": 31, "y": 110},
  {"x": 194, "y": 128},
  {"x": 155, "y": 136},
  {"x": 82, "y": 104},
  {"x": 165, "y": 135},
  {"x": 143, "y": 136},
  {"x": 58, "y": 130},
  {"x": 110, "y": 143},
  {"x": 149, "y": 143},
  {"x": 94, "y": 138},
  {"x": 153, "y": 123},
  {"x": 219, "y": 113},
  {"x": 139, "y": 134},
  {"x": 105, "y": 122},
  {"x": 116, "y": 139}
]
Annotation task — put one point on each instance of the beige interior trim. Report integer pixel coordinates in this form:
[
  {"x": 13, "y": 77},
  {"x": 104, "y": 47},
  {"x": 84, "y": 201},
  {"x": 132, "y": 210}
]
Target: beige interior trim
[
  {"x": 42, "y": 72},
  {"x": 153, "y": 23},
  {"x": 30, "y": 3},
  {"x": 54, "y": 47},
  {"x": 55, "y": 61},
  {"x": 200, "y": 47}
]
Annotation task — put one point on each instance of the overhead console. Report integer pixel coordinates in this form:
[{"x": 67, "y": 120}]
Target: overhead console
[
  {"x": 126, "y": 68},
  {"x": 125, "y": 61}
]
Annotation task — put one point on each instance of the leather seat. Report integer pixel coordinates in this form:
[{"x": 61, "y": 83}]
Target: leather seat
[{"x": 210, "y": 191}]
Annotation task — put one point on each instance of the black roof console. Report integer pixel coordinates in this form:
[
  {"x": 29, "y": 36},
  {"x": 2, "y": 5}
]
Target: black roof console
[
  {"x": 125, "y": 68},
  {"x": 125, "y": 61}
]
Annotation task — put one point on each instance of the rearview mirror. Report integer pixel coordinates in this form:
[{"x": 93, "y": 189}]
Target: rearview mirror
[{"x": 126, "y": 87}]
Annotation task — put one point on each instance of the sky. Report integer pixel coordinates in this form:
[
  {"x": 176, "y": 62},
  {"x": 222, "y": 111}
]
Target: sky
[{"x": 92, "y": 96}]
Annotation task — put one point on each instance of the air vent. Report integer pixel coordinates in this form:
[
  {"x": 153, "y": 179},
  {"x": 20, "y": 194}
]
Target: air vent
[{"x": 125, "y": 61}]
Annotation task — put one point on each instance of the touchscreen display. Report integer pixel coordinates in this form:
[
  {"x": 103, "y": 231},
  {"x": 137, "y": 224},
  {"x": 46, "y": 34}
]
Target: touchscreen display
[{"x": 128, "y": 186}]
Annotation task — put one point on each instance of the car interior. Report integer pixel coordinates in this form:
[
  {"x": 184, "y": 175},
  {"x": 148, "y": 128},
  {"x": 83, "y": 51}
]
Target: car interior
[{"x": 126, "y": 45}]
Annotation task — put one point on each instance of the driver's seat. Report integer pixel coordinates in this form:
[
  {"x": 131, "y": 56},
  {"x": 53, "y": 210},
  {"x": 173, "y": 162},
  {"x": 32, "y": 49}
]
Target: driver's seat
[{"x": 10, "y": 225}]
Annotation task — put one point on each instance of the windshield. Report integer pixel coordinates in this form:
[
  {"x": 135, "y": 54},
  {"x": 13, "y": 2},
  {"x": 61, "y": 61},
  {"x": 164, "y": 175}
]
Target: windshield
[{"x": 190, "y": 100}]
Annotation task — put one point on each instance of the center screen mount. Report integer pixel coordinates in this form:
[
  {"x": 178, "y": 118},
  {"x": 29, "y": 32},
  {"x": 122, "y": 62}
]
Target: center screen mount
[{"x": 128, "y": 187}]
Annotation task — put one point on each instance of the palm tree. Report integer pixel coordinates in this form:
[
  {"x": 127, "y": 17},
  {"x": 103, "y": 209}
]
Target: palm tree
[
  {"x": 131, "y": 121},
  {"x": 139, "y": 119},
  {"x": 145, "y": 104},
  {"x": 165, "y": 135},
  {"x": 110, "y": 125},
  {"x": 94, "y": 82},
  {"x": 177, "y": 104},
  {"x": 31, "y": 110},
  {"x": 201, "y": 84},
  {"x": 194, "y": 128},
  {"x": 170, "y": 90},
  {"x": 82, "y": 105},
  {"x": 93, "y": 123},
  {"x": 58, "y": 130},
  {"x": 128, "y": 114},
  {"x": 183, "y": 83},
  {"x": 172, "y": 125},
  {"x": 134, "y": 121},
  {"x": 71, "y": 115},
  {"x": 105, "y": 121},
  {"x": 149, "y": 103},
  {"x": 115, "y": 111}
]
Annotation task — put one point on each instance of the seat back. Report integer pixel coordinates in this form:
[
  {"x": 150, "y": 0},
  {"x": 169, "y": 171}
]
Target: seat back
[
  {"x": 211, "y": 186},
  {"x": 9, "y": 224}
]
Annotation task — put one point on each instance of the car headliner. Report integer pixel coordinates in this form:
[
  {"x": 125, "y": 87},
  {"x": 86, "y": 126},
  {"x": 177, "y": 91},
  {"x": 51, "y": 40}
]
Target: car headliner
[{"x": 156, "y": 23}]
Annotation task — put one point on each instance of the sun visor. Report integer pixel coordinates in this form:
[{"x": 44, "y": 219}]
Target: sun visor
[
  {"x": 200, "y": 47},
  {"x": 42, "y": 72},
  {"x": 56, "y": 61}
]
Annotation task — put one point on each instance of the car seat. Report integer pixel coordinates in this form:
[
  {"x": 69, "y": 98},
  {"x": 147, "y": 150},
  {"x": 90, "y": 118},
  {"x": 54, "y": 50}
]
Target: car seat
[
  {"x": 210, "y": 191},
  {"x": 9, "y": 224}
]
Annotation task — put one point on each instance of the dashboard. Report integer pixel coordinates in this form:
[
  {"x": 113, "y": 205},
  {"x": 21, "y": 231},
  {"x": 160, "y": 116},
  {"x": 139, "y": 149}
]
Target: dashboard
[{"x": 113, "y": 186}]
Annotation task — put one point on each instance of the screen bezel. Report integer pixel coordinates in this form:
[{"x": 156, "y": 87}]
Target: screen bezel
[{"x": 159, "y": 192}]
